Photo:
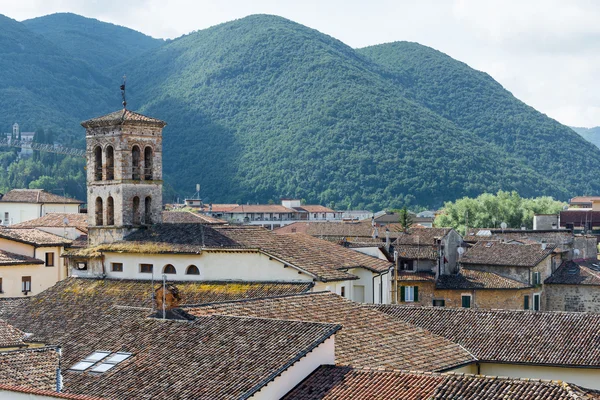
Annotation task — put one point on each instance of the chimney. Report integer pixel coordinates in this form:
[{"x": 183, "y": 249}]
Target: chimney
[
  {"x": 387, "y": 239},
  {"x": 171, "y": 296},
  {"x": 544, "y": 245}
]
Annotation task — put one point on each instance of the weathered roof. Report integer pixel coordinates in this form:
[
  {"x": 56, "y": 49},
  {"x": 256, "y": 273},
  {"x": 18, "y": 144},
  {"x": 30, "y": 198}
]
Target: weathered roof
[
  {"x": 576, "y": 272},
  {"x": 261, "y": 208},
  {"x": 123, "y": 117},
  {"x": 10, "y": 336},
  {"x": 415, "y": 276},
  {"x": 333, "y": 382},
  {"x": 424, "y": 252},
  {"x": 188, "y": 217},
  {"x": 553, "y": 236},
  {"x": 314, "y": 209},
  {"x": 34, "y": 237},
  {"x": 8, "y": 258},
  {"x": 368, "y": 338},
  {"x": 544, "y": 338},
  {"x": 33, "y": 368},
  {"x": 218, "y": 208},
  {"x": 473, "y": 279},
  {"x": 57, "y": 220},
  {"x": 36, "y": 196},
  {"x": 321, "y": 258},
  {"x": 509, "y": 254},
  {"x": 46, "y": 393},
  {"x": 584, "y": 199},
  {"x": 339, "y": 230},
  {"x": 421, "y": 236}
]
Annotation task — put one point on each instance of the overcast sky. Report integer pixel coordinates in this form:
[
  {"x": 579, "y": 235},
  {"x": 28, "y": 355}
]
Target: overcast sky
[{"x": 546, "y": 52}]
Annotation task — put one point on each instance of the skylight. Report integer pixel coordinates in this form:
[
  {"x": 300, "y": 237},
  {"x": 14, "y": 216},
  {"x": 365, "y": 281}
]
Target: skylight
[{"x": 102, "y": 364}]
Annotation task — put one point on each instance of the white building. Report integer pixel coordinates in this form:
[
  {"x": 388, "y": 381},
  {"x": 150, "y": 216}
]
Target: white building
[{"x": 20, "y": 205}]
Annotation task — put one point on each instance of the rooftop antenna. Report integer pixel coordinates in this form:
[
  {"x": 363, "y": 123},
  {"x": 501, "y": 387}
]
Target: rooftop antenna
[
  {"x": 164, "y": 295},
  {"x": 123, "y": 92}
]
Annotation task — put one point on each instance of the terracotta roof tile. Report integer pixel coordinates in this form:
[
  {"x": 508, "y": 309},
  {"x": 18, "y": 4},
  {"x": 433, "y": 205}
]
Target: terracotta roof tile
[
  {"x": 576, "y": 272},
  {"x": 123, "y": 117},
  {"x": 34, "y": 237},
  {"x": 36, "y": 196},
  {"x": 416, "y": 276},
  {"x": 558, "y": 237},
  {"x": 330, "y": 382},
  {"x": 544, "y": 338},
  {"x": 32, "y": 368},
  {"x": 56, "y": 220},
  {"x": 7, "y": 258},
  {"x": 339, "y": 230},
  {"x": 314, "y": 209},
  {"x": 261, "y": 208},
  {"x": 498, "y": 253},
  {"x": 10, "y": 336},
  {"x": 421, "y": 236},
  {"x": 46, "y": 393},
  {"x": 424, "y": 252},
  {"x": 187, "y": 217},
  {"x": 368, "y": 338},
  {"x": 473, "y": 279}
]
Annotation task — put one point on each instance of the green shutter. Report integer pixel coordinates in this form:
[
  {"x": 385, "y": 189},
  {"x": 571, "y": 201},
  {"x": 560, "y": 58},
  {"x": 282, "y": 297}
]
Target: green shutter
[
  {"x": 526, "y": 302},
  {"x": 416, "y": 294},
  {"x": 402, "y": 293}
]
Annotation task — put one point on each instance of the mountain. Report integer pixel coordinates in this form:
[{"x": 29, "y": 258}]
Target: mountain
[
  {"x": 473, "y": 101},
  {"x": 101, "y": 44},
  {"x": 592, "y": 135},
  {"x": 41, "y": 85},
  {"x": 263, "y": 107}
]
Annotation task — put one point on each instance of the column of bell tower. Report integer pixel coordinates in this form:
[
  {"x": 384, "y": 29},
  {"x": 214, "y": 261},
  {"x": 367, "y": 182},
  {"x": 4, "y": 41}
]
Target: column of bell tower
[{"x": 124, "y": 174}]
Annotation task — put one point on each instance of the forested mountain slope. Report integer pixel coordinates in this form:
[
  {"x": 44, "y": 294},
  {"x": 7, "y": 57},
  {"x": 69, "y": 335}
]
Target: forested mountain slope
[
  {"x": 101, "y": 44},
  {"x": 592, "y": 135},
  {"x": 475, "y": 102},
  {"x": 263, "y": 107}
]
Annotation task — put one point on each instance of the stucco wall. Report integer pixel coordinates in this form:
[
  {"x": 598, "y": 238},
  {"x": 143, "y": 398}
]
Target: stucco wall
[
  {"x": 488, "y": 299},
  {"x": 586, "y": 377},
  {"x": 582, "y": 298},
  {"x": 42, "y": 277}
]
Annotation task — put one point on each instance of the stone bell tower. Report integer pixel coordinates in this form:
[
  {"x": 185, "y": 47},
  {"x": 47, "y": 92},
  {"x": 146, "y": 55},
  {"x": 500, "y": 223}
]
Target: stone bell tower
[{"x": 124, "y": 174}]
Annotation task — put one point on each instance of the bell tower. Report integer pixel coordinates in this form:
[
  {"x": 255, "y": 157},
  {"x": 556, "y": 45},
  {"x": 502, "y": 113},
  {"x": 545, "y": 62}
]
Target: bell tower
[{"x": 124, "y": 174}]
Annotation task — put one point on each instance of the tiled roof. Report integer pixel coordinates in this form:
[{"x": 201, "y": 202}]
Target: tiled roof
[
  {"x": 34, "y": 237},
  {"x": 315, "y": 209},
  {"x": 123, "y": 117},
  {"x": 578, "y": 217},
  {"x": 330, "y": 382},
  {"x": 36, "y": 196},
  {"x": 472, "y": 279},
  {"x": 576, "y": 272},
  {"x": 56, "y": 220},
  {"x": 32, "y": 368},
  {"x": 339, "y": 230},
  {"x": 583, "y": 199},
  {"x": 261, "y": 208},
  {"x": 553, "y": 236},
  {"x": 415, "y": 276},
  {"x": 498, "y": 253},
  {"x": 7, "y": 258},
  {"x": 46, "y": 393},
  {"x": 544, "y": 338},
  {"x": 319, "y": 257},
  {"x": 368, "y": 338},
  {"x": 421, "y": 236},
  {"x": 187, "y": 217},
  {"x": 424, "y": 252},
  {"x": 10, "y": 336},
  {"x": 219, "y": 208}
]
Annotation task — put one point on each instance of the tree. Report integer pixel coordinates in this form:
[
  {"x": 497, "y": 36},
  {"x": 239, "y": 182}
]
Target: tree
[{"x": 405, "y": 219}]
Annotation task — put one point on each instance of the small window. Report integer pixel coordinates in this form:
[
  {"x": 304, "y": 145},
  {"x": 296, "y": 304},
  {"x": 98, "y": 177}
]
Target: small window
[
  {"x": 111, "y": 362},
  {"x": 90, "y": 360},
  {"x": 192, "y": 270},
  {"x": 146, "y": 268},
  {"x": 50, "y": 259},
  {"x": 439, "y": 303},
  {"x": 536, "y": 278},
  {"x": 6, "y": 218},
  {"x": 466, "y": 301},
  {"x": 343, "y": 291},
  {"x": 82, "y": 265},
  {"x": 407, "y": 265},
  {"x": 526, "y": 302},
  {"x": 26, "y": 284},
  {"x": 169, "y": 269},
  {"x": 536, "y": 302},
  {"x": 1, "y": 291},
  {"x": 118, "y": 267}
]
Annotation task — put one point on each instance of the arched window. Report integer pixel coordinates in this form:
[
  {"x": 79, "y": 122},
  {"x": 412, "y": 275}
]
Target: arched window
[
  {"x": 148, "y": 163},
  {"x": 110, "y": 211},
  {"x": 169, "y": 269},
  {"x": 136, "y": 210},
  {"x": 99, "y": 220},
  {"x": 110, "y": 163},
  {"x": 135, "y": 163},
  {"x": 192, "y": 270},
  {"x": 98, "y": 163},
  {"x": 148, "y": 210}
]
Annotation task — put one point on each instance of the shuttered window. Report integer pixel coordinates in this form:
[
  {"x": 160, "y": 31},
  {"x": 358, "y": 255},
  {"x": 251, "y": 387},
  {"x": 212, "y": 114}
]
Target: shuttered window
[
  {"x": 526, "y": 302},
  {"x": 466, "y": 301}
]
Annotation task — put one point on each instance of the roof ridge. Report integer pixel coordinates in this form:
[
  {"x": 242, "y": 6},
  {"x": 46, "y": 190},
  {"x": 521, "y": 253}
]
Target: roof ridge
[{"x": 257, "y": 299}]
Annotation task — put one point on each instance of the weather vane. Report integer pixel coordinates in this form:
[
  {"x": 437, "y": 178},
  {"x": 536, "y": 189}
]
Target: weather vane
[{"x": 123, "y": 92}]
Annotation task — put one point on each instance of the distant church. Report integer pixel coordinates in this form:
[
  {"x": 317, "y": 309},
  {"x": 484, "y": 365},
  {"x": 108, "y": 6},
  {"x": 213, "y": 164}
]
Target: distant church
[{"x": 25, "y": 137}]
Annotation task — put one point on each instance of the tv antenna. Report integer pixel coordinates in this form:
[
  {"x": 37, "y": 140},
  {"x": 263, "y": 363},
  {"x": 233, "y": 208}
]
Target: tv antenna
[{"x": 123, "y": 92}]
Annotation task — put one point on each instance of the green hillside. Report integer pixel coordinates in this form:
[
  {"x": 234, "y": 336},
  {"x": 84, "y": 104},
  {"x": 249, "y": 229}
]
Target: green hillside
[
  {"x": 475, "y": 102},
  {"x": 101, "y": 44},
  {"x": 263, "y": 107},
  {"x": 592, "y": 135}
]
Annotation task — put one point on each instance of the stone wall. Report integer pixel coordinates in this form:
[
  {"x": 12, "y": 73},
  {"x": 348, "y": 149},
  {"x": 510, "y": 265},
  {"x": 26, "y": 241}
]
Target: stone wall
[{"x": 581, "y": 298}]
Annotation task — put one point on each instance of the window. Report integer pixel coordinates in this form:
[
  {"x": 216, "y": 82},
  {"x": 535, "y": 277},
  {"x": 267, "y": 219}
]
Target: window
[
  {"x": 1, "y": 291},
  {"x": 26, "y": 284},
  {"x": 99, "y": 220},
  {"x": 110, "y": 211},
  {"x": 169, "y": 269},
  {"x": 136, "y": 210},
  {"x": 118, "y": 267},
  {"x": 535, "y": 278},
  {"x": 439, "y": 303},
  {"x": 148, "y": 163},
  {"x": 111, "y": 362},
  {"x": 146, "y": 268},
  {"x": 98, "y": 163},
  {"x": 343, "y": 291},
  {"x": 103, "y": 361},
  {"x": 406, "y": 265},
  {"x": 466, "y": 300},
  {"x": 6, "y": 218},
  {"x": 82, "y": 265},
  {"x": 148, "y": 210},
  {"x": 192, "y": 270},
  {"x": 90, "y": 360},
  {"x": 526, "y": 302},
  {"x": 409, "y": 293},
  {"x": 536, "y": 302},
  {"x": 110, "y": 163},
  {"x": 50, "y": 259},
  {"x": 135, "y": 163}
]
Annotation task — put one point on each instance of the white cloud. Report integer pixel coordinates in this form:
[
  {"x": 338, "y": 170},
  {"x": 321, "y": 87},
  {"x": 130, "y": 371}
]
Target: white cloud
[{"x": 543, "y": 51}]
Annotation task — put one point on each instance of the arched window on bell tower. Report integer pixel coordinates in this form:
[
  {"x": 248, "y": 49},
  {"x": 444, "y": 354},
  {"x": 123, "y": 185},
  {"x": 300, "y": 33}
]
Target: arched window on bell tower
[
  {"x": 148, "y": 210},
  {"x": 98, "y": 163},
  {"x": 110, "y": 211},
  {"x": 99, "y": 210},
  {"x": 135, "y": 163},
  {"x": 148, "y": 165},
  {"x": 110, "y": 163},
  {"x": 136, "y": 210}
]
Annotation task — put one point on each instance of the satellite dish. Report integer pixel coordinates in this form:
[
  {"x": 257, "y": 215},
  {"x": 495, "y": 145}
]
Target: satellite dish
[
  {"x": 461, "y": 251},
  {"x": 503, "y": 225}
]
